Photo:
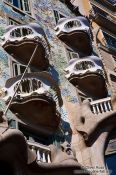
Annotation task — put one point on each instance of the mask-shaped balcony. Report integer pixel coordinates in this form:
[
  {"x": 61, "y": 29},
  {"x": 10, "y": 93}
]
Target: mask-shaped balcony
[
  {"x": 20, "y": 42},
  {"x": 87, "y": 75},
  {"x": 36, "y": 101},
  {"x": 75, "y": 33}
]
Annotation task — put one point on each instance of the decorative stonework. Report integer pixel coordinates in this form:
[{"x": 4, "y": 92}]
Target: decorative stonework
[
  {"x": 75, "y": 33},
  {"x": 50, "y": 104}
]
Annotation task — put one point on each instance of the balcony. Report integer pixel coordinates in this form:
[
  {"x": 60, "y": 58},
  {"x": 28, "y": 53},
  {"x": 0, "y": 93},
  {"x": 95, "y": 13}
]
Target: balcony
[
  {"x": 101, "y": 106},
  {"x": 104, "y": 22},
  {"x": 107, "y": 48},
  {"x": 36, "y": 102},
  {"x": 43, "y": 153},
  {"x": 20, "y": 42},
  {"x": 75, "y": 33},
  {"x": 15, "y": 157},
  {"x": 86, "y": 74},
  {"x": 106, "y": 6},
  {"x": 56, "y": 159}
]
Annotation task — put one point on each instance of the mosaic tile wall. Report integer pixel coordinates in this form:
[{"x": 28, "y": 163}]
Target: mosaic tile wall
[{"x": 44, "y": 15}]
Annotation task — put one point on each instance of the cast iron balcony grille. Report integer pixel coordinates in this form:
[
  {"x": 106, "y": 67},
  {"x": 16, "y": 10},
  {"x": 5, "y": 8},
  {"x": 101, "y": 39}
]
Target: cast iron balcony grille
[
  {"x": 101, "y": 106},
  {"x": 42, "y": 152}
]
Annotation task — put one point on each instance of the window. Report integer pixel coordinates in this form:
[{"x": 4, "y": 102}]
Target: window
[
  {"x": 111, "y": 41},
  {"x": 112, "y": 1},
  {"x": 110, "y": 153},
  {"x": 18, "y": 69},
  {"x": 58, "y": 16},
  {"x": 12, "y": 22},
  {"x": 72, "y": 55},
  {"x": 21, "y": 4},
  {"x": 24, "y": 5}
]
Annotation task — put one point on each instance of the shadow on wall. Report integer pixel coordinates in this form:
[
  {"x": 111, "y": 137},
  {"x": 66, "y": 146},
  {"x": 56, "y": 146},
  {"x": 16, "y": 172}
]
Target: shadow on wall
[
  {"x": 67, "y": 131},
  {"x": 6, "y": 169},
  {"x": 110, "y": 157},
  {"x": 54, "y": 73},
  {"x": 74, "y": 9}
]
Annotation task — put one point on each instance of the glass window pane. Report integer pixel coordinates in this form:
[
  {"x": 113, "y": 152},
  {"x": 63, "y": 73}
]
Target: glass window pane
[{"x": 111, "y": 164}]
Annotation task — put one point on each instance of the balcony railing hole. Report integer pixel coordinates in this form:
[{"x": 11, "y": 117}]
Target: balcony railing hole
[
  {"x": 21, "y": 32},
  {"x": 28, "y": 85},
  {"x": 84, "y": 65},
  {"x": 72, "y": 24}
]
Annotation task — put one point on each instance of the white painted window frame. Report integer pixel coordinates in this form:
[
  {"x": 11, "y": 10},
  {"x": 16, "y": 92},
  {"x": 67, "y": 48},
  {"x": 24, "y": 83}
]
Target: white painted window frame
[
  {"x": 12, "y": 64},
  {"x": 24, "y": 4}
]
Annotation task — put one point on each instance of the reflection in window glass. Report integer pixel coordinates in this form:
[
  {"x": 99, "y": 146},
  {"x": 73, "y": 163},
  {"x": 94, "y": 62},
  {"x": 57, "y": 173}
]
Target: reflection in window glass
[
  {"x": 111, "y": 42},
  {"x": 58, "y": 16},
  {"x": 111, "y": 164},
  {"x": 112, "y": 1},
  {"x": 22, "y": 4}
]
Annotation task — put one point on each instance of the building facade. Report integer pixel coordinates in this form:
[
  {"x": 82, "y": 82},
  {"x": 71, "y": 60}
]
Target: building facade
[{"x": 57, "y": 87}]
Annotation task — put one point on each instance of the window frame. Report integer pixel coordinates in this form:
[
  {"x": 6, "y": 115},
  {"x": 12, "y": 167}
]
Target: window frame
[
  {"x": 22, "y": 5},
  {"x": 12, "y": 63},
  {"x": 70, "y": 54},
  {"x": 110, "y": 36},
  {"x": 12, "y": 20},
  {"x": 57, "y": 15}
]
